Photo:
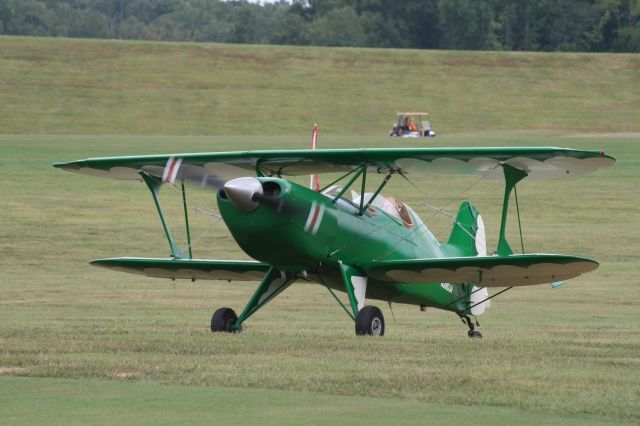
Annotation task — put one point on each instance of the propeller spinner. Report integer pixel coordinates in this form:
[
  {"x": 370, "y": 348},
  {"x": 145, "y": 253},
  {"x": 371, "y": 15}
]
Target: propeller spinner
[{"x": 245, "y": 193}]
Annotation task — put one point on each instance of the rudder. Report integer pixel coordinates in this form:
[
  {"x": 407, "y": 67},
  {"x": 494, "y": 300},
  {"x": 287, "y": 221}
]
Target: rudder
[
  {"x": 468, "y": 234},
  {"x": 468, "y": 238}
]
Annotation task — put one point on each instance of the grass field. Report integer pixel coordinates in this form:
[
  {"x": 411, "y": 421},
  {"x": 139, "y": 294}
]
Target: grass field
[
  {"x": 80, "y": 344},
  {"x": 58, "y": 86},
  {"x": 75, "y": 402}
]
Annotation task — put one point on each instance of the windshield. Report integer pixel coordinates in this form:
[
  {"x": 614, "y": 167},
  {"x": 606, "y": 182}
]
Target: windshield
[{"x": 389, "y": 205}]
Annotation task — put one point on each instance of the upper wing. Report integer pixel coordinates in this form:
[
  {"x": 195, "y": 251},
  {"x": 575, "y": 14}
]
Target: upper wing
[
  {"x": 227, "y": 270},
  {"x": 538, "y": 162},
  {"x": 483, "y": 271}
]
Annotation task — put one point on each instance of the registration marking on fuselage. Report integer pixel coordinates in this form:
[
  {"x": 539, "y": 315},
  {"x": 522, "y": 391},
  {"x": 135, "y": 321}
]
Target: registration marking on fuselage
[{"x": 448, "y": 287}]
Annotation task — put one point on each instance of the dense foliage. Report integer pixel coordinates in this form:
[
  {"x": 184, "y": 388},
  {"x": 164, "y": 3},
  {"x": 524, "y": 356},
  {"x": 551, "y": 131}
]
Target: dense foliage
[{"x": 545, "y": 25}]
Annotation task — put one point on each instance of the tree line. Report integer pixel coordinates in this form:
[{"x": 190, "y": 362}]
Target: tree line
[{"x": 519, "y": 25}]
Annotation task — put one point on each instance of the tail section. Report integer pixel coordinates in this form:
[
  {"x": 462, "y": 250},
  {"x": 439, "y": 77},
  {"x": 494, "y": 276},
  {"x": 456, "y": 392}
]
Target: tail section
[
  {"x": 468, "y": 239},
  {"x": 467, "y": 236}
]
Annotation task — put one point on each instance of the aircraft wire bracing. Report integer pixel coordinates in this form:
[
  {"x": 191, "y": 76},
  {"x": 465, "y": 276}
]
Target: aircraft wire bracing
[
  {"x": 174, "y": 188},
  {"x": 437, "y": 210}
]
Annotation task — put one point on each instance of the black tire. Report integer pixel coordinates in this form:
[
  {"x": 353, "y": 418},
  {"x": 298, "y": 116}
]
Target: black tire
[
  {"x": 370, "y": 322},
  {"x": 223, "y": 320},
  {"x": 475, "y": 334}
]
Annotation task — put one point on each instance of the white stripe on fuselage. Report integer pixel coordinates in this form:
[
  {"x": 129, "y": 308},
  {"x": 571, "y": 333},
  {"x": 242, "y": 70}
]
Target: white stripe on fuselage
[
  {"x": 318, "y": 220},
  {"x": 315, "y": 217},
  {"x": 310, "y": 217}
]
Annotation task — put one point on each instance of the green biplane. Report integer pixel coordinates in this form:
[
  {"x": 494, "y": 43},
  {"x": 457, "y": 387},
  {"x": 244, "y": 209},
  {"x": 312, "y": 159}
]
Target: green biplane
[{"x": 368, "y": 246}]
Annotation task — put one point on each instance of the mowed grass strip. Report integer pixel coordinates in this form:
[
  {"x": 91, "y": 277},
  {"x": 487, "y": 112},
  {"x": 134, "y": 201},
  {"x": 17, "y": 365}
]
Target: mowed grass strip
[
  {"x": 74, "y": 402},
  {"x": 72, "y": 86},
  {"x": 569, "y": 352}
]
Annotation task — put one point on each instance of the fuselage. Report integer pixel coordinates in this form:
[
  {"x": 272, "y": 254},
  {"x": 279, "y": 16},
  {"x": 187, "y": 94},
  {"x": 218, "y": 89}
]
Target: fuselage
[{"x": 311, "y": 233}]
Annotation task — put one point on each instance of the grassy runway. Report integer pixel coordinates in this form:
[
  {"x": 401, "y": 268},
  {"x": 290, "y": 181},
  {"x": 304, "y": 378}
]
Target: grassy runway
[
  {"x": 80, "y": 344},
  {"x": 566, "y": 351},
  {"x": 81, "y": 402}
]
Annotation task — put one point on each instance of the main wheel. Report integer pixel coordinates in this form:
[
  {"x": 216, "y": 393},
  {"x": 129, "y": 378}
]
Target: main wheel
[
  {"x": 223, "y": 320},
  {"x": 370, "y": 322},
  {"x": 475, "y": 334}
]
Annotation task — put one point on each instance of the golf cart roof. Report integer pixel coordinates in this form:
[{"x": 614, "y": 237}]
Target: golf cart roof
[{"x": 413, "y": 113}]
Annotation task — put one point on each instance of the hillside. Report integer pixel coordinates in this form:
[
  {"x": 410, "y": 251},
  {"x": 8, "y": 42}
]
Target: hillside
[{"x": 71, "y": 86}]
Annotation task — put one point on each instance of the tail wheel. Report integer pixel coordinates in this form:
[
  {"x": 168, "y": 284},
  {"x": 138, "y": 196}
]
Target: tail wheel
[
  {"x": 223, "y": 320},
  {"x": 370, "y": 322}
]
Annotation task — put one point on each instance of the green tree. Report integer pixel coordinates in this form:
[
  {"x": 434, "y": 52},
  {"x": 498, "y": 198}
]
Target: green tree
[
  {"x": 131, "y": 28},
  {"x": 291, "y": 30},
  {"x": 380, "y": 31},
  {"x": 622, "y": 30},
  {"x": 166, "y": 27},
  {"x": 269, "y": 17},
  {"x": 338, "y": 27},
  {"x": 322, "y": 7},
  {"x": 564, "y": 25},
  {"x": 6, "y": 15},
  {"x": 628, "y": 39},
  {"x": 469, "y": 24},
  {"x": 29, "y": 17},
  {"x": 244, "y": 27},
  {"x": 576, "y": 25},
  {"x": 419, "y": 22}
]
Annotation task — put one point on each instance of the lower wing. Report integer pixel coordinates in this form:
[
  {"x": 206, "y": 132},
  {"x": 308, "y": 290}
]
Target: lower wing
[
  {"x": 483, "y": 271},
  {"x": 228, "y": 270}
]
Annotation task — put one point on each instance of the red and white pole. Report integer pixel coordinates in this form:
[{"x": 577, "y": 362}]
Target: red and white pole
[{"x": 314, "y": 182}]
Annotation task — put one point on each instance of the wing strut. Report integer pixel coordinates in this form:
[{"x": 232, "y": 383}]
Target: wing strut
[
  {"x": 359, "y": 171},
  {"x": 515, "y": 193},
  {"x": 186, "y": 219},
  {"x": 511, "y": 177},
  {"x": 363, "y": 189},
  {"x": 339, "y": 179},
  {"x": 375, "y": 194},
  {"x": 154, "y": 184}
]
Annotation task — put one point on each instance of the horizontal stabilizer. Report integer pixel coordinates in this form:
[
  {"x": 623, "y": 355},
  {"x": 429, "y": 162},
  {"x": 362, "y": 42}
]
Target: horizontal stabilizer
[
  {"x": 227, "y": 270},
  {"x": 483, "y": 271}
]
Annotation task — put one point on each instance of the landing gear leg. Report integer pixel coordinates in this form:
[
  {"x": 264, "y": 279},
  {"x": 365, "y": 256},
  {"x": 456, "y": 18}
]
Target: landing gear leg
[
  {"x": 473, "y": 333},
  {"x": 273, "y": 283}
]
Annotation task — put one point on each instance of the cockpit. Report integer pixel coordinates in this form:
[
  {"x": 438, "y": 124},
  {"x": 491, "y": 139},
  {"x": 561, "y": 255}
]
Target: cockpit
[{"x": 388, "y": 205}]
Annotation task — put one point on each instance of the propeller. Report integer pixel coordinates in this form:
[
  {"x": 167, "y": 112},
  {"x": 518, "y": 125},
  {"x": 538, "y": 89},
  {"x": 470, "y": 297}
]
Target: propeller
[
  {"x": 246, "y": 193},
  {"x": 200, "y": 176}
]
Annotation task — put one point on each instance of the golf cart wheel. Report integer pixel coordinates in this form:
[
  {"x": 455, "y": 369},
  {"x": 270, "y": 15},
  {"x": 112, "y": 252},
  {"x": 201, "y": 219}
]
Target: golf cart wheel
[
  {"x": 223, "y": 320},
  {"x": 370, "y": 322}
]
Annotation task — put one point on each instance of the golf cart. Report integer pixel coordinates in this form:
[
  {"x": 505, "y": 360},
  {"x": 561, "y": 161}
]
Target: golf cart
[{"x": 413, "y": 125}]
